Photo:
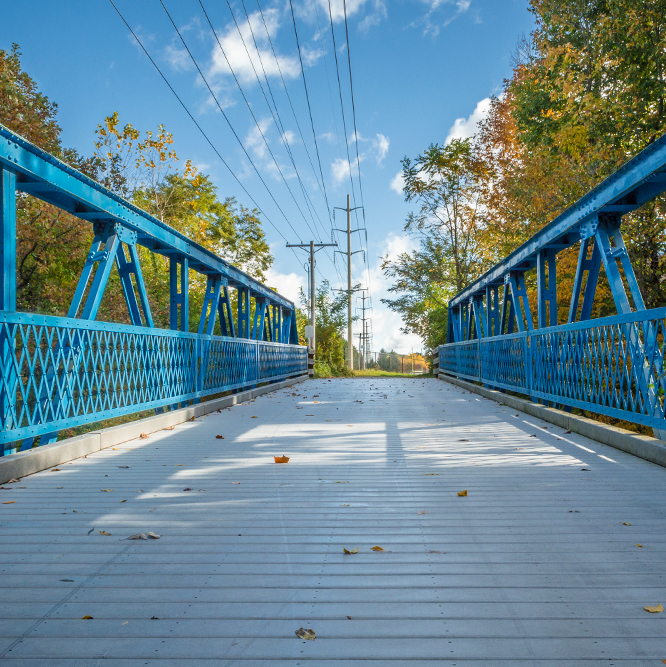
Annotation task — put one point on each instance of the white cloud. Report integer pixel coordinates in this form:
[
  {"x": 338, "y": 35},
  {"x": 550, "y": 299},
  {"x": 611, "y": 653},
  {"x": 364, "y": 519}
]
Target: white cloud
[
  {"x": 243, "y": 65},
  {"x": 433, "y": 22},
  {"x": 287, "y": 284},
  {"x": 464, "y": 128},
  {"x": 381, "y": 146},
  {"x": 289, "y": 137},
  {"x": 397, "y": 183},
  {"x": 255, "y": 141},
  {"x": 341, "y": 169},
  {"x": 178, "y": 58}
]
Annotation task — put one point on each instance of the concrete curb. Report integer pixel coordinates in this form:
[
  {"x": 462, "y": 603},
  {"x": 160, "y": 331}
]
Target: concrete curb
[
  {"x": 34, "y": 460},
  {"x": 643, "y": 446}
]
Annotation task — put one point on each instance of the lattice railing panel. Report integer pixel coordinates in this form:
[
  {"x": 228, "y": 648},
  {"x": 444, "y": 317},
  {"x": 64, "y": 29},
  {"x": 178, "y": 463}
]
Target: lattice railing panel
[{"x": 58, "y": 372}]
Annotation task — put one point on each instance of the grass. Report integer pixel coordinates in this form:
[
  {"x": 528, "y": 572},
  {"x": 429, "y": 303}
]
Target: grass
[{"x": 388, "y": 374}]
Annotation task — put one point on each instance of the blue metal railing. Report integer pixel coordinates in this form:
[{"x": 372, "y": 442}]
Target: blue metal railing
[
  {"x": 611, "y": 366},
  {"x": 58, "y": 372}
]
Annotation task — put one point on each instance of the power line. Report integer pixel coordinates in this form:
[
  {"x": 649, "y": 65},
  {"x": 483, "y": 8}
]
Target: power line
[
  {"x": 187, "y": 111},
  {"x": 219, "y": 106}
]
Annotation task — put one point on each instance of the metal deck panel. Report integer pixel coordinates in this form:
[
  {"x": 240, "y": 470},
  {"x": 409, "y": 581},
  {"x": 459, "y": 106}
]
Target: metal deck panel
[{"x": 533, "y": 567}]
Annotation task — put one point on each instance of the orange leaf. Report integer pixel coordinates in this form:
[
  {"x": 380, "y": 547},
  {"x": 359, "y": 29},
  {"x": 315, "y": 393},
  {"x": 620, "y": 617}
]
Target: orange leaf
[
  {"x": 376, "y": 549},
  {"x": 281, "y": 459},
  {"x": 462, "y": 493},
  {"x": 9, "y": 502}
]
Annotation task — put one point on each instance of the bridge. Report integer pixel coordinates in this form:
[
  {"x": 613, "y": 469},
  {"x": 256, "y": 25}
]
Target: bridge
[{"x": 469, "y": 518}]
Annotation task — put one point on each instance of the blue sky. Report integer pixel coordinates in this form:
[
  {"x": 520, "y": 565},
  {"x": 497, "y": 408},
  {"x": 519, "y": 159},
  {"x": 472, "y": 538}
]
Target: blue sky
[{"x": 422, "y": 72}]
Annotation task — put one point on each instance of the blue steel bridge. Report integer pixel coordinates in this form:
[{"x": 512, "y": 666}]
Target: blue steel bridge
[{"x": 469, "y": 519}]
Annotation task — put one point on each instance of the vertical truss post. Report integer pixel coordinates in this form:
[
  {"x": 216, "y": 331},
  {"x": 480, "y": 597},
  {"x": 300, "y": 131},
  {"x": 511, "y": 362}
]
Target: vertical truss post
[
  {"x": 179, "y": 291},
  {"x": 591, "y": 266},
  {"x": 286, "y": 325},
  {"x": 480, "y": 325},
  {"x": 492, "y": 321},
  {"x": 225, "y": 312},
  {"x": 546, "y": 288},
  {"x": 261, "y": 303},
  {"x": 243, "y": 312},
  {"x": 464, "y": 322},
  {"x": 126, "y": 269},
  {"x": 9, "y": 376},
  {"x": 520, "y": 302},
  {"x": 210, "y": 306}
]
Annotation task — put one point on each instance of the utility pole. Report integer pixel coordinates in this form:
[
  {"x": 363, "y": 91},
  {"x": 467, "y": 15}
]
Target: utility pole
[
  {"x": 349, "y": 253},
  {"x": 364, "y": 333},
  {"x": 311, "y": 246}
]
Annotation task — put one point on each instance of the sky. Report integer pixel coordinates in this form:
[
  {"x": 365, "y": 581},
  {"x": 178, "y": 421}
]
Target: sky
[{"x": 422, "y": 72}]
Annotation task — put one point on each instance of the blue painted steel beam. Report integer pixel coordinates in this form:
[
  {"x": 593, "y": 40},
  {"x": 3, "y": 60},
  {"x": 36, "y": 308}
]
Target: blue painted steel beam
[
  {"x": 44, "y": 176},
  {"x": 642, "y": 178}
]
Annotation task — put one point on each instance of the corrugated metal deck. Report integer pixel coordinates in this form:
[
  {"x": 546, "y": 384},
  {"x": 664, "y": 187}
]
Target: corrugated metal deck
[{"x": 535, "y": 566}]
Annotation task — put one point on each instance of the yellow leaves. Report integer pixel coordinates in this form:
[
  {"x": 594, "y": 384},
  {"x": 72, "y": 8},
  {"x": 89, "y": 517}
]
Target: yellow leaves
[
  {"x": 640, "y": 546},
  {"x": 345, "y": 505},
  {"x": 169, "y": 428},
  {"x": 107, "y": 490},
  {"x": 306, "y": 633},
  {"x": 430, "y": 474},
  {"x": 626, "y": 523},
  {"x": 462, "y": 493},
  {"x": 654, "y": 610},
  {"x": 281, "y": 459},
  {"x": 9, "y": 502},
  {"x": 376, "y": 549},
  {"x": 103, "y": 532},
  {"x": 86, "y": 618},
  {"x": 143, "y": 436},
  {"x": 351, "y": 551},
  {"x": 254, "y": 417}
]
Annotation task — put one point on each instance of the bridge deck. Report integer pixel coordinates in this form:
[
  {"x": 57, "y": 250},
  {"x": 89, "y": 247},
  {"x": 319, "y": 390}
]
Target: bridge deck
[{"x": 535, "y": 564}]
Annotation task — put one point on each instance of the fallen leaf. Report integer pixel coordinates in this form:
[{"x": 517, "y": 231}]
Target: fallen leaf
[
  {"x": 91, "y": 530},
  {"x": 655, "y": 610},
  {"x": 123, "y": 501},
  {"x": 56, "y": 470},
  {"x": 143, "y": 435},
  {"x": 187, "y": 489},
  {"x": 179, "y": 465},
  {"x": 462, "y": 493},
  {"x": 376, "y": 549},
  {"x": 281, "y": 459},
  {"x": 255, "y": 417},
  {"x": 352, "y": 551},
  {"x": 169, "y": 428},
  {"x": 107, "y": 490},
  {"x": 220, "y": 437},
  {"x": 347, "y": 505},
  {"x": 125, "y": 623},
  {"x": 154, "y": 536},
  {"x": 639, "y": 545},
  {"x": 626, "y": 523},
  {"x": 235, "y": 482},
  {"x": 423, "y": 512},
  {"x": 430, "y": 473},
  {"x": 585, "y": 469},
  {"x": 103, "y": 532},
  {"x": 305, "y": 633},
  {"x": 9, "y": 502},
  {"x": 435, "y": 552},
  {"x": 138, "y": 536},
  {"x": 567, "y": 432},
  {"x": 349, "y": 617},
  {"x": 70, "y": 580},
  {"x": 11, "y": 481},
  {"x": 463, "y": 440},
  {"x": 342, "y": 481},
  {"x": 123, "y": 466},
  {"x": 154, "y": 618},
  {"x": 531, "y": 436},
  {"x": 86, "y": 618}
]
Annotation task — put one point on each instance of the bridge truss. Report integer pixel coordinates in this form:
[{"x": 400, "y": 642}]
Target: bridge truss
[
  {"x": 612, "y": 365},
  {"x": 60, "y": 372}
]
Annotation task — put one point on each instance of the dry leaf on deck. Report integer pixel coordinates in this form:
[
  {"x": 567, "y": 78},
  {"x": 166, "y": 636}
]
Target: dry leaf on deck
[
  {"x": 426, "y": 474},
  {"x": 107, "y": 490},
  {"x": 103, "y": 532},
  {"x": 281, "y": 459},
  {"x": 423, "y": 512},
  {"x": 305, "y": 633},
  {"x": 350, "y": 551},
  {"x": 255, "y": 417},
  {"x": 655, "y": 610},
  {"x": 138, "y": 536},
  {"x": 376, "y": 549},
  {"x": 154, "y": 536},
  {"x": 123, "y": 466},
  {"x": 639, "y": 545},
  {"x": 169, "y": 428},
  {"x": 56, "y": 470},
  {"x": 432, "y": 551},
  {"x": 345, "y": 505},
  {"x": 462, "y": 493},
  {"x": 235, "y": 482},
  {"x": 219, "y": 437},
  {"x": 86, "y": 618},
  {"x": 626, "y": 523},
  {"x": 143, "y": 435},
  {"x": 11, "y": 481},
  {"x": 9, "y": 502}
]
